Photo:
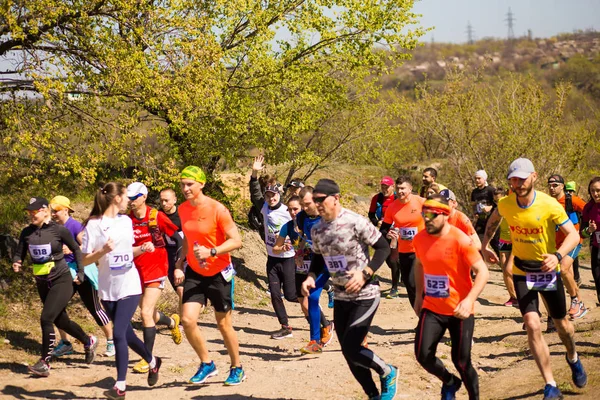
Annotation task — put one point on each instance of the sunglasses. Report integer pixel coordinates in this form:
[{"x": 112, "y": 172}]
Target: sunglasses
[
  {"x": 554, "y": 185},
  {"x": 137, "y": 196},
  {"x": 430, "y": 215},
  {"x": 33, "y": 212},
  {"x": 320, "y": 200}
]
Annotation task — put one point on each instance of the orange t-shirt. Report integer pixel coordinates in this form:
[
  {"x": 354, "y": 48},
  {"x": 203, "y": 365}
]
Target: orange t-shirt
[
  {"x": 206, "y": 224},
  {"x": 462, "y": 222},
  {"x": 447, "y": 262},
  {"x": 578, "y": 205},
  {"x": 407, "y": 218}
]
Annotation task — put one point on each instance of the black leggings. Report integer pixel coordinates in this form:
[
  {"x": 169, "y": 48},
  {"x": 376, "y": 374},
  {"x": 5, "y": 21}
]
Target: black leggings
[
  {"x": 430, "y": 331},
  {"x": 596, "y": 270},
  {"x": 406, "y": 261},
  {"x": 282, "y": 272},
  {"x": 392, "y": 262},
  {"x": 89, "y": 297},
  {"x": 121, "y": 312},
  {"x": 352, "y": 322},
  {"x": 55, "y": 295}
]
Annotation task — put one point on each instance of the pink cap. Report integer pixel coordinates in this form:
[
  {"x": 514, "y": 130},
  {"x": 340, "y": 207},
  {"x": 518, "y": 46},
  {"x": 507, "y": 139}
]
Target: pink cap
[{"x": 387, "y": 180}]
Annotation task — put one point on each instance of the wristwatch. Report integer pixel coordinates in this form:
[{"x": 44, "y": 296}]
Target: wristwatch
[
  {"x": 557, "y": 254},
  {"x": 213, "y": 252},
  {"x": 367, "y": 276}
]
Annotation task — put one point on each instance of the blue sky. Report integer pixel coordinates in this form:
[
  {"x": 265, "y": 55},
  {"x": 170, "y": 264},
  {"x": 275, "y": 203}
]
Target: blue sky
[{"x": 544, "y": 17}]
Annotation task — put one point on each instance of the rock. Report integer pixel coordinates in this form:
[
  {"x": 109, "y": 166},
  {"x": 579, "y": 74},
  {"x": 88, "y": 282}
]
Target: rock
[{"x": 6, "y": 341}]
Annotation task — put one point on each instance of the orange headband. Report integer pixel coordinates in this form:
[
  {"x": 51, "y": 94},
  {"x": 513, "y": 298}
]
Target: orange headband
[{"x": 437, "y": 207}]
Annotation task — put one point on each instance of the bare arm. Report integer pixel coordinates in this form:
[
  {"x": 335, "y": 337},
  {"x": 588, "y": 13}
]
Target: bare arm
[
  {"x": 418, "y": 271},
  {"x": 491, "y": 227},
  {"x": 463, "y": 310}
]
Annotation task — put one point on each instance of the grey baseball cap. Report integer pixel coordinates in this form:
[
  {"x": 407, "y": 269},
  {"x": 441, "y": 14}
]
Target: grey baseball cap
[{"x": 520, "y": 168}]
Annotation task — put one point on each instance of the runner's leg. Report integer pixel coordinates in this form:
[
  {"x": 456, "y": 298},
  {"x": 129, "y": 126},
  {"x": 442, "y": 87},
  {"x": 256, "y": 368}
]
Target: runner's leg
[
  {"x": 430, "y": 331},
  {"x": 461, "y": 334},
  {"x": 406, "y": 261}
]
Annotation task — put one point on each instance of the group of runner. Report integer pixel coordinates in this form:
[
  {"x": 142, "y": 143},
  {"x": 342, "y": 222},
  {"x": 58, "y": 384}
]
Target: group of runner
[{"x": 313, "y": 243}]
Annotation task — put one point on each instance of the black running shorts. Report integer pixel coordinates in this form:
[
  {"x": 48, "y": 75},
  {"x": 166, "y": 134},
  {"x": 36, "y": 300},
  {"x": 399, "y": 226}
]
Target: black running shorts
[{"x": 199, "y": 289}]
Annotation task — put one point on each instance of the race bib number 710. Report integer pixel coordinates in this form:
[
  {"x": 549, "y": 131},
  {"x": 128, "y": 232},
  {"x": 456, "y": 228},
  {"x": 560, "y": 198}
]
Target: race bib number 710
[{"x": 120, "y": 260}]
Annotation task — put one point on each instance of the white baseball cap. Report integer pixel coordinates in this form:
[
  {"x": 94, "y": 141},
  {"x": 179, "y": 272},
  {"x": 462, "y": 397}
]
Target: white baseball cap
[
  {"x": 520, "y": 168},
  {"x": 136, "y": 188}
]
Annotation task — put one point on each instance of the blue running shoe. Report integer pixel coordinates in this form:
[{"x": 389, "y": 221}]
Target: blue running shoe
[
  {"x": 388, "y": 384},
  {"x": 204, "y": 372},
  {"x": 552, "y": 392},
  {"x": 62, "y": 349},
  {"x": 449, "y": 391},
  {"x": 236, "y": 376},
  {"x": 578, "y": 373},
  {"x": 330, "y": 295}
]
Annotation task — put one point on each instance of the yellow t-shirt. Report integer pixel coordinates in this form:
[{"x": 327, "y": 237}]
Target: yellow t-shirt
[
  {"x": 533, "y": 228},
  {"x": 504, "y": 231}
]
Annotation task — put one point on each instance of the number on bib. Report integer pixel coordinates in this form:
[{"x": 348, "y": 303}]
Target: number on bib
[
  {"x": 336, "y": 264},
  {"x": 40, "y": 253},
  {"x": 437, "y": 286},
  {"x": 228, "y": 273},
  {"x": 303, "y": 268},
  {"x": 270, "y": 239},
  {"x": 541, "y": 281},
  {"x": 120, "y": 260},
  {"x": 407, "y": 233}
]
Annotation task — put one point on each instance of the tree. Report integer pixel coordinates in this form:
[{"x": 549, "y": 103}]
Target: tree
[{"x": 161, "y": 84}]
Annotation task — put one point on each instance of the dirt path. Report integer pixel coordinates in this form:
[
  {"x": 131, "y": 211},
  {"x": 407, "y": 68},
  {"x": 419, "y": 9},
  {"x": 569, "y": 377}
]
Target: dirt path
[{"x": 276, "y": 370}]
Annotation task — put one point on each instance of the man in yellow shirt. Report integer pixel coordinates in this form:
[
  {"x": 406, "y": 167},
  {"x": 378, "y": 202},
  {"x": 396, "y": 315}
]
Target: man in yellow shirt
[{"x": 532, "y": 217}]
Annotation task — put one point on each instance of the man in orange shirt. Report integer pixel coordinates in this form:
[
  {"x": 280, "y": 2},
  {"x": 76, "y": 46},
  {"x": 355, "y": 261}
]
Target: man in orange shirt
[
  {"x": 573, "y": 205},
  {"x": 210, "y": 235},
  {"x": 405, "y": 214},
  {"x": 459, "y": 219},
  {"x": 446, "y": 296}
]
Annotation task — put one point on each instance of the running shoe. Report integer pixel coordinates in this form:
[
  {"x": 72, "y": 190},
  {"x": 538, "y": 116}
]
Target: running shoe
[
  {"x": 62, "y": 349},
  {"x": 388, "y": 384},
  {"x": 578, "y": 373},
  {"x": 236, "y": 376},
  {"x": 511, "y": 303},
  {"x": 580, "y": 311},
  {"x": 110, "y": 349},
  {"x": 284, "y": 332},
  {"x": 90, "y": 349},
  {"x": 574, "y": 307},
  {"x": 204, "y": 372},
  {"x": 141, "y": 367},
  {"x": 365, "y": 343},
  {"x": 153, "y": 372},
  {"x": 115, "y": 394},
  {"x": 550, "y": 328},
  {"x": 327, "y": 334},
  {"x": 330, "y": 296},
  {"x": 449, "y": 391},
  {"x": 175, "y": 332},
  {"x": 312, "y": 348},
  {"x": 393, "y": 294},
  {"x": 552, "y": 392},
  {"x": 40, "y": 368}
]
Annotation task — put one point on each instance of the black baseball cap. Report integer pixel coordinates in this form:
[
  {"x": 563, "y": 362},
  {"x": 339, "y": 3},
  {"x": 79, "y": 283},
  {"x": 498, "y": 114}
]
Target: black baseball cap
[
  {"x": 326, "y": 186},
  {"x": 36, "y": 203}
]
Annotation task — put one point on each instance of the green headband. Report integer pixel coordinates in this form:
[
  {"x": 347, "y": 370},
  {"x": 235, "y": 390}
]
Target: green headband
[{"x": 194, "y": 173}]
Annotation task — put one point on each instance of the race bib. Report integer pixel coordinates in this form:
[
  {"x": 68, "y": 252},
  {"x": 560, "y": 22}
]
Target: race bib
[
  {"x": 120, "y": 259},
  {"x": 228, "y": 273},
  {"x": 270, "y": 239},
  {"x": 303, "y": 268},
  {"x": 336, "y": 264},
  {"x": 437, "y": 286},
  {"x": 597, "y": 236},
  {"x": 541, "y": 281},
  {"x": 40, "y": 253},
  {"x": 408, "y": 233}
]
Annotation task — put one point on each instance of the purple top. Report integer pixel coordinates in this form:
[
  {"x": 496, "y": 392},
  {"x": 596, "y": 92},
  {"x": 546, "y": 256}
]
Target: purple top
[
  {"x": 591, "y": 212},
  {"x": 74, "y": 227}
]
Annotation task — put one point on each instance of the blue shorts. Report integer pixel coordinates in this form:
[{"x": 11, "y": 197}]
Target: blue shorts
[{"x": 575, "y": 252}]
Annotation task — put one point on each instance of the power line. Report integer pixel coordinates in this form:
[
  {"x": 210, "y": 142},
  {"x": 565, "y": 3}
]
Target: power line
[
  {"x": 510, "y": 19},
  {"x": 470, "y": 33}
]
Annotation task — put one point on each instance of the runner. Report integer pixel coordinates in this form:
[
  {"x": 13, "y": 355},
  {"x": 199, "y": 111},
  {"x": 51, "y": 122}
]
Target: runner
[
  {"x": 533, "y": 217},
  {"x": 293, "y": 188},
  {"x": 429, "y": 177},
  {"x": 210, "y": 235},
  {"x": 43, "y": 239},
  {"x": 149, "y": 226},
  {"x": 571, "y": 187},
  {"x": 446, "y": 296},
  {"x": 341, "y": 241},
  {"x": 290, "y": 237},
  {"x": 590, "y": 228},
  {"x": 108, "y": 241},
  {"x": 281, "y": 268},
  {"x": 168, "y": 205},
  {"x": 405, "y": 214},
  {"x": 505, "y": 254},
  {"x": 381, "y": 201},
  {"x": 482, "y": 201},
  {"x": 573, "y": 205},
  {"x": 457, "y": 218},
  {"x": 60, "y": 210}
]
